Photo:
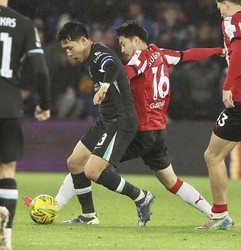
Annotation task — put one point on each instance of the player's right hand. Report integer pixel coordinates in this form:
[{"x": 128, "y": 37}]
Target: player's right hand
[
  {"x": 41, "y": 115},
  {"x": 228, "y": 99}
]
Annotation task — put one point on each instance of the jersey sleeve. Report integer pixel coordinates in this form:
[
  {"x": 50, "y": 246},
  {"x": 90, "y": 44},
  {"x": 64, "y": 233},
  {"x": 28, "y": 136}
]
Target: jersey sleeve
[
  {"x": 137, "y": 65},
  {"x": 131, "y": 71},
  {"x": 107, "y": 65},
  {"x": 171, "y": 57},
  {"x": 197, "y": 54},
  {"x": 232, "y": 28},
  {"x": 36, "y": 60},
  {"x": 32, "y": 41}
]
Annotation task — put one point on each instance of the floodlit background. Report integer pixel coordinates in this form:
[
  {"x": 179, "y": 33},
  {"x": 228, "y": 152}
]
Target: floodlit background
[{"x": 173, "y": 24}]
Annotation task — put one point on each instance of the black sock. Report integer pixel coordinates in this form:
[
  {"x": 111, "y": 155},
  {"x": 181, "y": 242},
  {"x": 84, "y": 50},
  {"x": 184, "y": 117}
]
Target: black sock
[
  {"x": 83, "y": 190},
  {"x": 114, "y": 182},
  {"x": 9, "y": 191}
]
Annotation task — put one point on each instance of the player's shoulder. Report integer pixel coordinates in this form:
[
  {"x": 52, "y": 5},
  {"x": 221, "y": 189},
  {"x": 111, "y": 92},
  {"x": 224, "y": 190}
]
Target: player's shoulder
[
  {"x": 97, "y": 47},
  {"x": 100, "y": 51},
  {"x": 232, "y": 20},
  {"x": 231, "y": 26}
]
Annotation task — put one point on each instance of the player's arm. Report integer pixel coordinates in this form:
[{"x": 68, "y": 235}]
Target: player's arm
[
  {"x": 197, "y": 54},
  {"x": 111, "y": 69},
  {"x": 234, "y": 73},
  {"x": 136, "y": 65},
  {"x": 131, "y": 71},
  {"x": 36, "y": 60},
  {"x": 42, "y": 83}
]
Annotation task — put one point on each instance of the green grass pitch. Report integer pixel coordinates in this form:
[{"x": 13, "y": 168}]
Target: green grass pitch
[{"x": 172, "y": 225}]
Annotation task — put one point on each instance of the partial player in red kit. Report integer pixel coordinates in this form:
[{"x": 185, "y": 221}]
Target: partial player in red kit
[
  {"x": 227, "y": 131},
  {"x": 147, "y": 70}
]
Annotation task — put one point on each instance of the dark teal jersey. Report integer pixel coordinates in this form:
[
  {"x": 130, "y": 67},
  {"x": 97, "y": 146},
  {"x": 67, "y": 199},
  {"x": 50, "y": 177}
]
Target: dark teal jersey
[
  {"x": 19, "y": 40},
  {"x": 105, "y": 66}
]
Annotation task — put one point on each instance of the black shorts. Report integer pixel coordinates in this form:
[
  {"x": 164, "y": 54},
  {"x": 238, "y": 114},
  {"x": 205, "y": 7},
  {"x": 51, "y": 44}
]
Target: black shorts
[
  {"x": 151, "y": 147},
  {"x": 228, "y": 124},
  {"x": 11, "y": 140},
  {"x": 110, "y": 139}
]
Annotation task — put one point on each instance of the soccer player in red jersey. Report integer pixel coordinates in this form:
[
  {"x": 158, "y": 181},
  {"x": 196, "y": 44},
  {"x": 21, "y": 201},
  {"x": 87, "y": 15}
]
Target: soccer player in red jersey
[
  {"x": 147, "y": 70},
  {"x": 227, "y": 131}
]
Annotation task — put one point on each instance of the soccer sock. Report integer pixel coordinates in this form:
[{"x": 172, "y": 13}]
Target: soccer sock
[
  {"x": 9, "y": 237},
  {"x": 9, "y": 197},
  {"x": 114, "y": 182},
  {"x": 66, "y": 191},
  {"x": 219, "y": 211},
  {"x": 219, "y": 208},
  {"x": 82, "y": 186},
  {"x": 189, "y": 194}
]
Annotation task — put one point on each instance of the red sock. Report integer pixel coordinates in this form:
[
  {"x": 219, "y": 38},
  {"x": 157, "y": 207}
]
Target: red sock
[
  {"x": 176, "y": 186},
  {"x": 219, "y": 208}
]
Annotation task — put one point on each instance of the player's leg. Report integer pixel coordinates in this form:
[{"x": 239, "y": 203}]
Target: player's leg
[
  {"x": 82, "y": 186},
  {"x": 110, "y": 148},
  {"x": 66, "y": 191},
  {"x": 184, "y": 190},
  {"x": 11, "y": 149},
  {"x": 226, "y": 135},
  {"x": 96, "y": 170},
  {"x": 215, "y": 155},
  {"x": 158, "y": 160}
]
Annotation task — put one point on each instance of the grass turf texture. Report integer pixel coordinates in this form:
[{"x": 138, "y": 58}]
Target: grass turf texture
[{"x": 172, "y": 225}]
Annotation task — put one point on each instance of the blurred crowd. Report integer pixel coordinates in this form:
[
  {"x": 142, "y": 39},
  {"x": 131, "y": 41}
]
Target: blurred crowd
[{"x": 172, "y": 24}]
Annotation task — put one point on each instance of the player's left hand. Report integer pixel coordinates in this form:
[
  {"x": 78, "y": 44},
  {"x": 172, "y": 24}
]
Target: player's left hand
[
  {"x": 41, "y": 115},
  {"x": 100, "y": 94}
]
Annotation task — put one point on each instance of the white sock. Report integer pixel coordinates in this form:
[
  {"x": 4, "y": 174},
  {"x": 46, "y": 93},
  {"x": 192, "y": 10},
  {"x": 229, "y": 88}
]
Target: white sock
[
  {"x": 8, "y": 235},
  {"x": 189, "y": 194},
  {"x": 66, "y": 191}
]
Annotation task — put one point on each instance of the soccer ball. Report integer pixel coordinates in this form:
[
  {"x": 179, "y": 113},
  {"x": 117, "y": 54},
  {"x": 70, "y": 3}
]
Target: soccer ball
[{"x": 44, "y": 209}]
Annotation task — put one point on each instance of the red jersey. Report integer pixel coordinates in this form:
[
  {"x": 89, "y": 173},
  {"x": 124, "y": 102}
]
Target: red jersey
[
  {"x": 150, "y": 84},
  {"x": 231, "y": 27}
]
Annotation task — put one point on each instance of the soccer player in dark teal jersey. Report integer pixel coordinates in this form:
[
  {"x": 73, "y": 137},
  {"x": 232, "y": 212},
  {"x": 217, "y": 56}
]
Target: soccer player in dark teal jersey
[
  {"x": 108, "y": 139},
  {"x": 18, "y": 40}
]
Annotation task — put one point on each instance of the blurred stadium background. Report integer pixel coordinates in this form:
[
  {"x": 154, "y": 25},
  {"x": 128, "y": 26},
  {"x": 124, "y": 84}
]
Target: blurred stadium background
[{"x": 196, "y": 87}]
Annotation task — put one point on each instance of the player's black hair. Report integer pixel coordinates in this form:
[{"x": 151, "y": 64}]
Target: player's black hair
[
  {"x": 130, "y": 29},
  {"x": 233, "y": 1},
  {"x": 72, "y": 31}
]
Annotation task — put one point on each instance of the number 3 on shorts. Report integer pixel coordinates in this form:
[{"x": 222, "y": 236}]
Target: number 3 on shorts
[{"x": 221, "y": 119}]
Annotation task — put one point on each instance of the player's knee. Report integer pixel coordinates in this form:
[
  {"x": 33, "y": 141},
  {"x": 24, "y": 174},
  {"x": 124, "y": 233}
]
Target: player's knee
[
  {"x": 209, "y": 158},
  {"x": 72, "y": 165},
  {"x": 91, "y": 173},
  {"x": 7, "y": 170}
]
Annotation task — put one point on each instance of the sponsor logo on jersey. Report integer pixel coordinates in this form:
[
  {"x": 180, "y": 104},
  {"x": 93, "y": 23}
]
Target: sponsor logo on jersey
[
  {"x": 7, "y": 21},
  {"x": 157, "y": 105},
  {"x": 98, "y": 55}
]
